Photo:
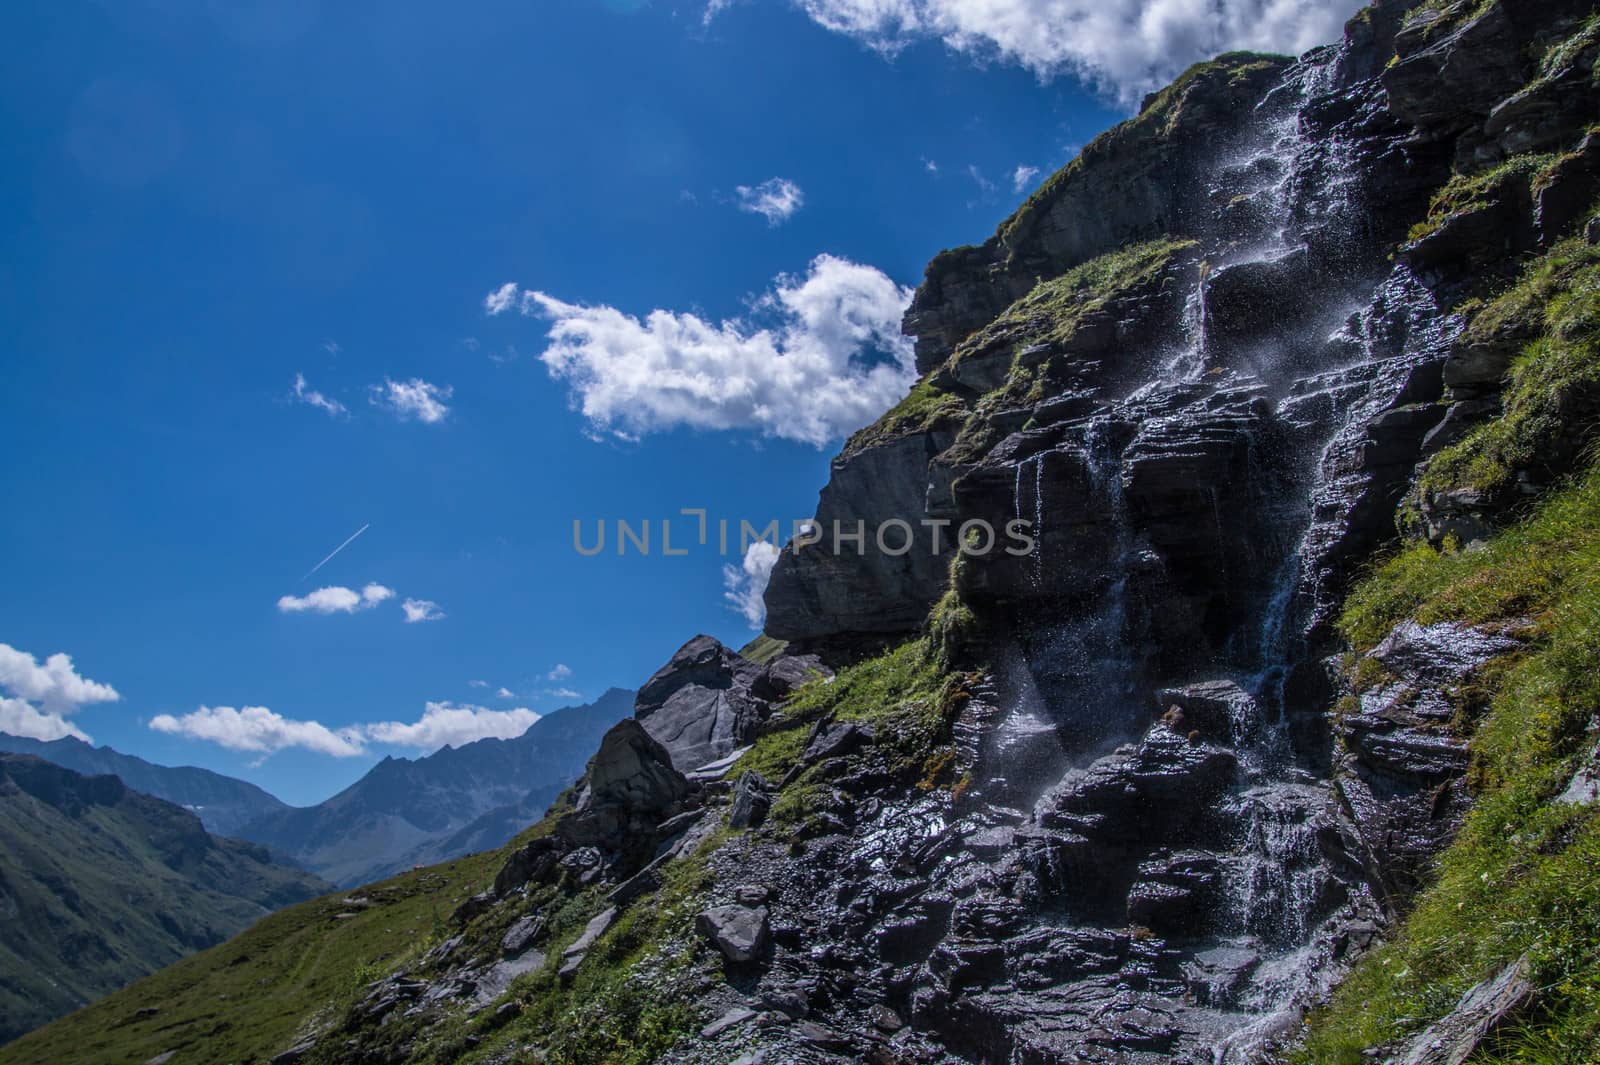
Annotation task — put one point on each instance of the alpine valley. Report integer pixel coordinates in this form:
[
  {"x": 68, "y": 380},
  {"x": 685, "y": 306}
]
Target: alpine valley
[{"x": 1280, "y": 746}]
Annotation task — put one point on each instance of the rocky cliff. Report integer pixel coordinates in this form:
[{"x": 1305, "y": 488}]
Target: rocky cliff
[{"x": 1284, "y": 714}]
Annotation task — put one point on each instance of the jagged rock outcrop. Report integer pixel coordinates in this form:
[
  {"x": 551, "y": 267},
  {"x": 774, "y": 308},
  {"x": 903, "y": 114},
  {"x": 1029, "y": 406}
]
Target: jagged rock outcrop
[
  {"x": 1402, "y": 768},
  {"x": 708, "y": 700}
]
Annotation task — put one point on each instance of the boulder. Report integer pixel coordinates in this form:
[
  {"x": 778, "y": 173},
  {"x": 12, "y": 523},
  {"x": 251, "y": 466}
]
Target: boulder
[
  {"x": 628, "y": 791},
  {"x": 741, "y": 933},
  {"x": 699, "y": 706},
  {"x": 752, "y": 798},
  {"x": 522, "y": 934}
]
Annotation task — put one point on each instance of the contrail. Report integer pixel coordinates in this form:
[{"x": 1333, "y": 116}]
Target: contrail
[{"x": 336, "y": 550}]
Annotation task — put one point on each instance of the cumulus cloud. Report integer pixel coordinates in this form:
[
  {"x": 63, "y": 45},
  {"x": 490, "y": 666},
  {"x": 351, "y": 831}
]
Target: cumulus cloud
[
  {"x": 40, "y": 696},
  {"x": 259, "y": 730},
  {"x": 1125, "y": 48},
  {"x": 421, "y": 610},
  {"x": 304, "y": 393},
  {"x": 54, "y": 684},
  {"x": 452, "y": 724},
  {"x": 561, "y": 671},
  {"x": 1023, "y": 176},
  {"x": 563, "y": 693},
  {"x": 21, "y": 718},
  {"x": 746, "y": 584},
  {"x": 336, "y": 600},
  {"x": 413, "y": 400},
  {"x": 775, "y": 199},
  {"x": 824, "y": 357}
]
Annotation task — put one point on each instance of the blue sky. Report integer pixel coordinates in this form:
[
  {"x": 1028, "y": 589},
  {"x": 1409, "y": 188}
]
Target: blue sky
[{"x": 205, "y": 203}]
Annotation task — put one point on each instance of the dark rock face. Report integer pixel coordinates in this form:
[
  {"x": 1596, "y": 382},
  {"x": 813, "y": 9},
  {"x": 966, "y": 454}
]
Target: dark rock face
[
  {"x": 1139, "y": 181},
  {"x": 816, "y": 590}
]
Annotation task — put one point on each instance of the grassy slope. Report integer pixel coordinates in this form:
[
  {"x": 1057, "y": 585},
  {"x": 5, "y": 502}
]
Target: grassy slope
[
  {"x": 1523, "y": 876},
  {"x": 246, "y": 1000}
]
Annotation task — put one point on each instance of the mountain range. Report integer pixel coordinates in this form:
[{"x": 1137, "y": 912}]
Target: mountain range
[
  {"x": 458, "y": 800},
  {"x": 100, "y": 885},
  {"x": 223, "y": 804}
]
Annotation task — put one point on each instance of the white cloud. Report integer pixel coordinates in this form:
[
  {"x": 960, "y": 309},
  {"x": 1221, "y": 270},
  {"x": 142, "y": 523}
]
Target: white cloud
[
  {"x": 332, "y": 347},
  {"x": 746, "y": 583},
  {"x": 336, "y": 600},
  {"x": 54, "y": 684},
  {"x": 775, "y": 199},
  {"x": 505, "y": 693},
  {"x": 415, "y": 399},
  {"x": 1123, "y": 47},
  {"x": 561, "y": 671},
  {"x": 930, "y": 166},
  {"x": 21, "y": 718},
  {"x": 477, "y": 684},
  {"x": 830, "y": 361},
  {"x": 499, "y": 301},
  {"x": 563, "y": 693},
  {"x": 452, "y": 724},
  {"x": 983, "y": 183},
  {"x": 42, "y": 695},
  {"x": 304, "y": 393},
  {"x": 258, "y": 729},
  {"x": 1022, "y": 177},
  {"x": 421, "y": 610}
]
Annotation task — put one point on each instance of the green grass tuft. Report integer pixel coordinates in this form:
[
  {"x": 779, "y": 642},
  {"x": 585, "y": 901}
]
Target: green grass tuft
[{"x": 1558, "y": 300}]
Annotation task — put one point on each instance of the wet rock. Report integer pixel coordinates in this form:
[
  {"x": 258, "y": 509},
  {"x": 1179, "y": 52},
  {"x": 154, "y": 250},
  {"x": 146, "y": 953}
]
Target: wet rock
[
  {"x": 1449, "y": 81},
  {"x": 1402, "y": 773},
  {"x": 752, "y": 894},
  {"x": 1215, "y": 977},
  {"x": 821, "y": 1036},
  {"x": 739, "y": 932},
  {"x": 1176, "y": 893},
  {"x": 788, "y": 999},
  {"x": 1219, "y": 709}
]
